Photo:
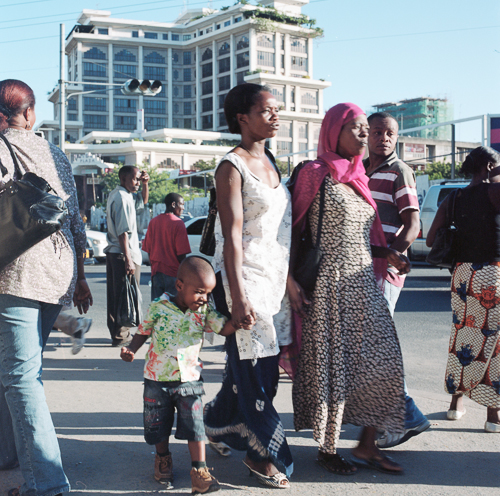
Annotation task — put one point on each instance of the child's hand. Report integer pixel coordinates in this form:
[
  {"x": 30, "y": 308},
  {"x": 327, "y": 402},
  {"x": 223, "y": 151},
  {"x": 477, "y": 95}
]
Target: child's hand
[
  {"x": 248, "y": 322},
  {"x": 127, "y": 355}
]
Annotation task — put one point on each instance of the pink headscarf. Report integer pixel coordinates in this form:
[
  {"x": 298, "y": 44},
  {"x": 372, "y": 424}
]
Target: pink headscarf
[{"x": 329, "y": 162}]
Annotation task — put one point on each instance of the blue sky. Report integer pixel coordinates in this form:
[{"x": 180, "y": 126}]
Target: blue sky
[{"x": 372, "y": 52}]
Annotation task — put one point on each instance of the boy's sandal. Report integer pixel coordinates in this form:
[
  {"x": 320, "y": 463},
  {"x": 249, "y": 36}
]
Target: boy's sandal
[
  {"x": 221, "y": 448},
  {"x": 277, "y": 481},
  {"x": 336, "y": 464}
]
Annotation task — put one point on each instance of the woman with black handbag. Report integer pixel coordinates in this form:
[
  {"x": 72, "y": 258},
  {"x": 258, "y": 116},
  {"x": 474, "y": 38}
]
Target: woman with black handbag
[
  {"x": 473, "y": 367},
  {"x": 33, "y": 289},
  {"x": 350, "y": 367}
]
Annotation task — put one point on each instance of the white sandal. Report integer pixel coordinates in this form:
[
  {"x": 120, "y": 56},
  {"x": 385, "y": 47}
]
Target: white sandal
[
  {"x": 277, "y": 481},
  {"x": 221, "y": 448}
]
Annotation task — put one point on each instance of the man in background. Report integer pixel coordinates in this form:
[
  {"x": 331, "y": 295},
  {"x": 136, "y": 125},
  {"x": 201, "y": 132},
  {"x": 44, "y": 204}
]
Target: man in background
[
  {"x": 392, "y": 184},
  {"x": 167, "y": 244}
]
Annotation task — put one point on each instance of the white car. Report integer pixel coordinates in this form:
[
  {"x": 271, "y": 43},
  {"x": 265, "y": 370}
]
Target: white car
[{"x": 98, "y": 242}]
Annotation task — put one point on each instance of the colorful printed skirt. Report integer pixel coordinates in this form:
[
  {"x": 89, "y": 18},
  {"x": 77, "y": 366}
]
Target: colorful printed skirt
[{"x": 474, "y": 353}]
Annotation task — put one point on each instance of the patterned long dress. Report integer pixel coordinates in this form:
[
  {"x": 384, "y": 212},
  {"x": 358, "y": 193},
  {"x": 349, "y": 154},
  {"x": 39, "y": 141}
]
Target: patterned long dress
[
  {"x": 350, "y": 366},
  {"x": 474, "y": 353}
]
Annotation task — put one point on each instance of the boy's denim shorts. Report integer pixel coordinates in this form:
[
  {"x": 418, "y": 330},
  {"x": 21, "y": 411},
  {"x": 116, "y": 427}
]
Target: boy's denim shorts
[{"x": 161, "y": 399}]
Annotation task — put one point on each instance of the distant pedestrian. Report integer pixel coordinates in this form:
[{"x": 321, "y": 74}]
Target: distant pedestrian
[
  {"x": 172, "y": 371},
  {"x": 350, "y": 367},
  {"x": 167, "y": 244},
  {"x": 473, "y": 367},
  {"x": 123, "y": 254},
  {"x": 392, "y": 185}
]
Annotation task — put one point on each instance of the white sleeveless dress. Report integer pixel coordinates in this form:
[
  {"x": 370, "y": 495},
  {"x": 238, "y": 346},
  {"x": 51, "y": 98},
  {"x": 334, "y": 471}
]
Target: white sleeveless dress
[{"x": 267, "y": 228}]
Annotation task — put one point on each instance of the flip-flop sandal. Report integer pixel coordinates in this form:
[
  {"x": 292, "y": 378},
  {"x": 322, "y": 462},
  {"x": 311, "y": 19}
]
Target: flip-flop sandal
[
  {"x": 221, "y": 448},
  {"x": 277, "y": 481},
  {"x": 336, "y": 464},
  {"x": 376, "y": 464}
]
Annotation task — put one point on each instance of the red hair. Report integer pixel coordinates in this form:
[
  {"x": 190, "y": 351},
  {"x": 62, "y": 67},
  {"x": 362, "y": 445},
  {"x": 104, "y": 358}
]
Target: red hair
[{"x": 15, "y": 98}]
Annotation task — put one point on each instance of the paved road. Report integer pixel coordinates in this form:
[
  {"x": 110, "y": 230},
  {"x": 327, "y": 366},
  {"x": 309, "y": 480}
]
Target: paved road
[{"x": 96, "y": 403}]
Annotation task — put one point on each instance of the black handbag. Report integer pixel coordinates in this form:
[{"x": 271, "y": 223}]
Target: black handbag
[
  {"x": 28, "y": 212},
  {"x": 309, "y": 254},
  {"x": 129, "y": 304},
  {"x": 207, "y": 242},
  {"x": 444, "y": 249}
]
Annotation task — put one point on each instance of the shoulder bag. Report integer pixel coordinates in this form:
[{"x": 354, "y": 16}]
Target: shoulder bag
[
  {"x": 444, "y": 249},
  {"x": 207, "y": 242},
  {"x": 28, "y": 212}
]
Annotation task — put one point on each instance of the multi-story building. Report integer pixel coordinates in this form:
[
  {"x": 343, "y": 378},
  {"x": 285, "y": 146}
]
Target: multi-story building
[
  {"x": 418, "y": 112},
  {"x": 198, "y": 58}
]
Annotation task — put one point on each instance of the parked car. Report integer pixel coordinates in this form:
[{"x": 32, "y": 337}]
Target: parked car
[
  {"x": 430, "y": 205},
  {"x": 98, "y": 242}
]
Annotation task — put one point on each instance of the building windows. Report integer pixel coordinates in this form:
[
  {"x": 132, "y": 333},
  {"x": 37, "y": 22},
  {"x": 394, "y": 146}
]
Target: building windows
[
  {"x": 186, "y": 75},
  {"x": 224, "y": 65},
  {"x": 206, "y": 87},
  {"x": 72, "y": 105},
  {"x": 176, "y": 91},
  {"x": 240, "y": 77},
  {"x": 217, "y": 26},
  {"x": 94, "y": 104},
  {"x": 285, "y": 129},
  {"x": 284, "y": 147},
  {"x": 265, "y": 40},
  {"x": 152, "y": 106},
  {"x": 187, "y": 91},
  {"x": 309, "y": 111},
  {"x": 152, "y": 123},
  {"x": 92, "y": 69},
  {"x": 265, "y": 59},
  {"x": 243, "y": 42},
  {"x": 94, "y": 53},
  {"x": 224, "y": 83},
  {"x": 72, "y": 117},
  {"x": 151, "y": 36},
  {"x": 186, "y": 58},
  {"x": 102, "y": 31},
  {"x": 224, "y": 48},
  {"x": 207, "y": 105},
  {"x": 222, "y": 120},
  {"x": 175, "y": 57},
  {"x": 278, "y": 93},
  {"x": 94, "y": 87},
  {"x": 206, "y": 55},
  {"x": 129, "y": 106},
  {"x": 237, "y": 19},
  {"x": 154, "y": 58},
  {"x": 125, "y": 56},
  {"x": 165, "y": 36},
  {"x": 95, "y": 121},
  {"x": 186, "y": 37},
  {"x": 302, "y": 130},
  {"x": 209, "y": 30},
  {"x": 299, "y": 63},
  {"x": 176, "y": 108},
  {"x": 207, "y": 121},
  {"x": 127, "y": 123},
  {"x": 187, "y": 124},
  {"x": 242, "y": 60},
  {"x": 206, "y": 70},
  {"x": 309, "y": 97},
  {"x": 135, "y": 34},
  {"x": 221, "y": 100},
  {"x": 154, "y": 72},
  {"x": 125, "y": 71},
  {"x": 176, "y": 74},
  {"x": 227, "y": 23},
  {"x": 175, "y": 37},
  {"x": 187, "y": 108},
  {"x": 298, "y": 45}
]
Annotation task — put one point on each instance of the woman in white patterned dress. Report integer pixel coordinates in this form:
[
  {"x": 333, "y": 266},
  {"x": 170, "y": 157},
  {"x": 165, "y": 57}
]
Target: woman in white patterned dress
[{"x": 253, "y": 233}]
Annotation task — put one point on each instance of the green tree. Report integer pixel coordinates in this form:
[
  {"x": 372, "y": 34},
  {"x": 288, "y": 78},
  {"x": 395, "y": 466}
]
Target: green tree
[{"x": 441, "y": 170}]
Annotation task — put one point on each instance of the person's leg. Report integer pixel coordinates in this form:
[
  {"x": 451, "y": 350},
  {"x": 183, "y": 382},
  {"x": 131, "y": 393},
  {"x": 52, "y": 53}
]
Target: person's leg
[
  {"x": 115, "y": 280},
  {"x": 8, "y": 453},
  {"x": 24, "y": 329}
]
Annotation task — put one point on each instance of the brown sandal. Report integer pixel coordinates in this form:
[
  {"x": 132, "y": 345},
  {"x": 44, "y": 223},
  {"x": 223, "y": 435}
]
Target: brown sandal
[{"x": 336, "y": 464}]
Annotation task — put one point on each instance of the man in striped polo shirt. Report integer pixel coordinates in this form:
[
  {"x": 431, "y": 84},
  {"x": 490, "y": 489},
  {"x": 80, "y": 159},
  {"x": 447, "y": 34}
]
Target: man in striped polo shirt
[{"x": 392, "y": 184}]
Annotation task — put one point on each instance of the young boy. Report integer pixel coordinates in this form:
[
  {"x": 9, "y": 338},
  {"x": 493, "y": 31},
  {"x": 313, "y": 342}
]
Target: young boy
[{"x": 172, "y": 370}]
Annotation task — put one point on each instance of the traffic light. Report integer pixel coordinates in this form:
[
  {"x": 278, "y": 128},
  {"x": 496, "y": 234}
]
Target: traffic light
[{"x": 146, "y": 87}]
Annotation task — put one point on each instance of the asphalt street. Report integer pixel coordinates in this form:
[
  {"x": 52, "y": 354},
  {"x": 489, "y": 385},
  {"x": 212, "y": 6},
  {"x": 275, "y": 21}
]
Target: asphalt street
[{"x": 96, "y": 402}]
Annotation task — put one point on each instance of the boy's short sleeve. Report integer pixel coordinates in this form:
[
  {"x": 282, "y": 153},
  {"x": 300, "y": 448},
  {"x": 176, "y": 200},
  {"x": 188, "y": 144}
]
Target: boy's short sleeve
[
  {"x": 214, "y": 321},
  {"x": 146, "y": 326}
]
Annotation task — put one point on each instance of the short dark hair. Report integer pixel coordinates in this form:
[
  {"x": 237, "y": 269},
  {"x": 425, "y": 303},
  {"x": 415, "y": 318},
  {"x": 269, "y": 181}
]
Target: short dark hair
[
  {"x": 239, "y": 101},
  {"x": 478, "y": 159},
  {"x": 125, "y": 171},
  {"x": 172, "y": 198},
  {"x": 381, "y": 115},
  {"x": 195, "y": 265}
]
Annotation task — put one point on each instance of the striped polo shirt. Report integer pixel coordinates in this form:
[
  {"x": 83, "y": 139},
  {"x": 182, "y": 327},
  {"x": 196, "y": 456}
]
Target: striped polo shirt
[{"x": 394, "y": 190}]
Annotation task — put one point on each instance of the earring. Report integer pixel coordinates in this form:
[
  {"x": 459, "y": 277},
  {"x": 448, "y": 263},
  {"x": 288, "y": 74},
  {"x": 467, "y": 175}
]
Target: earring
[{"x": 28, "y": 126}]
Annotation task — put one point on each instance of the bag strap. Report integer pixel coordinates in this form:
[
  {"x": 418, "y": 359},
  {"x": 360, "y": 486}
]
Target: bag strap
[
  {"x": 321, "y": 209},
  {"x": 14, "y": 159},
  {"x": 451, "y": 209}
]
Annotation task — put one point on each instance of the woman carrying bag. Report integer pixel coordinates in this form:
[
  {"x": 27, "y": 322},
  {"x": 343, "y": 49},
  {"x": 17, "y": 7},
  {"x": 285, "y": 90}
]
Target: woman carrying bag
[{"x": 33, "y": 289}]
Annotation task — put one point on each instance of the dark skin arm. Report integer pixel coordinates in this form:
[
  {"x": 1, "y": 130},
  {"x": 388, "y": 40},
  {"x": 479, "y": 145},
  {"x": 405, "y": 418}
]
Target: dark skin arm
[
  {"x": 411, "y": 228},
  {"x": 127, "y": 353},
  {"x": 438, "y": 222},
  {"x": 129, "y": 263},
  {"x": 145, "y": 186},
  {"x": 82, "y": 297},
  {"x": 393, "y": 257},
  {"x": 230, "y": 207}
]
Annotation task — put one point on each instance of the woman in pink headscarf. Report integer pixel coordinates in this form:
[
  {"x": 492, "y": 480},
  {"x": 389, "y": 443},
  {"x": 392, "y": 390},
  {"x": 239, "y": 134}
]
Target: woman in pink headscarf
[{"x": 350, "y": 368}]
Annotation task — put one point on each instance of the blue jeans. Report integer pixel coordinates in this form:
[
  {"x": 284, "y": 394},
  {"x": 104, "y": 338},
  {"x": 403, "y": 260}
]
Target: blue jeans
[
  {"x": 414, "y": 416},
  {"x": 161, "y": 283},
  {"x": 26, "y": 422}
]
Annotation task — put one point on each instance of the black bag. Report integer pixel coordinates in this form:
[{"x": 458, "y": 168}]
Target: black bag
[
  {"x": 129, "y": 304},
  {"x": 444, "y": 249},
  {"x": 28, "y": 212},
  {"x": 207, "y": 242},
  {"x": 309, "y": 254}
]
